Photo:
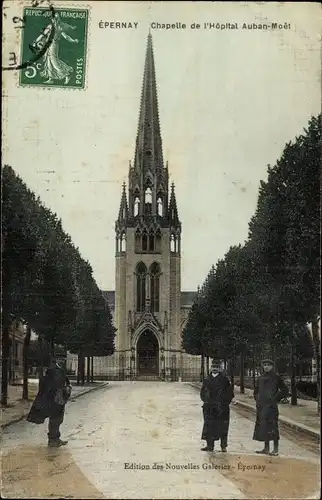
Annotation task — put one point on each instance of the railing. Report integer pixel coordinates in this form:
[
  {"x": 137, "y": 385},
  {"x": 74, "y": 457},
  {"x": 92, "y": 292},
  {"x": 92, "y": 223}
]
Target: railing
[{"x": 168, "y": 366}]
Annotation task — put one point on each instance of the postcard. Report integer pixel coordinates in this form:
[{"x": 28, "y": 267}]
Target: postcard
[{"x": 160, "y": 224}]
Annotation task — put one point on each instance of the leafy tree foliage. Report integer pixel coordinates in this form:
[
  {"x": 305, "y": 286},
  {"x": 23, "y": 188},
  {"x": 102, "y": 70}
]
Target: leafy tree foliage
[
  {"x": 46, "y": 282},
  {"x": 264, "y": 293}
]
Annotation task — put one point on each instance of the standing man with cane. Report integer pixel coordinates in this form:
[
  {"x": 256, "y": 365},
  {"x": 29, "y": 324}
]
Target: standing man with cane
[{"x": 54, "y": 392}]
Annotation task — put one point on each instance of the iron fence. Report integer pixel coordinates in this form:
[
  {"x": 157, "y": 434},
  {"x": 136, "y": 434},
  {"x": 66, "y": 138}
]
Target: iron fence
[{"x": 168, "y": 365}]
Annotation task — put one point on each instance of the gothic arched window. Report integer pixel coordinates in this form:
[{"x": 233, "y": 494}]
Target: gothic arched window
[
  {"x": 138, "y": 240},
  {"x": 140, "y": 286},
  {"x": 148, "y": 195},
  {"x": 172, "y": 243},
  {"x": 144, "y": 241},
  {"x": 151, "y": 242},
  {"x": 155, "y": 272},
  {"x": 136, "y": 205},
  {"x": 158, "y": 241},
  {"x": 148, "y": 201},
  {"x": 160, "y": 206},
  {"x": 123, "y": 243}
]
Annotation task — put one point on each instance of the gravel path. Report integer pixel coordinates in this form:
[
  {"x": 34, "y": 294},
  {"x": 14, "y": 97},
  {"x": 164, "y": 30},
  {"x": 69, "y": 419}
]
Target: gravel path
[{"x": 142, "y": 440}]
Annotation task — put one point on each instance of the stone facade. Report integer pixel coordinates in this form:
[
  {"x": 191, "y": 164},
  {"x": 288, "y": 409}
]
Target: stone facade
[
  {"x": 148, "y": 306},
  {"x": 188, "y": 367}
]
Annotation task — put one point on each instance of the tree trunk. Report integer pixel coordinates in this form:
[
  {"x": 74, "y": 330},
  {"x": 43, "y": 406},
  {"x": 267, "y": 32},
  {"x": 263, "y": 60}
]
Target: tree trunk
[
  {"x": 12, "y": 359},
  {"x": 254, "y": 371},
  {"x": 5, "y": 348},
  {"x": 82, "y": 368},
  {"x": 317, "y": 341},
  {"x": 207, "y": 365},
  {"x": 78, "y": 368},
  {"x": 88, "y": 369},
  {"x": 26, "y": 343},
  {"x": 274, "y": 358},
  {"x": 92, "y": 369},
  {"x": 242, "y": 373},
  {"x": 40, "y": 370},
  {"x": 293, "y": 372},
  {"x": 202, "y": 368},
  {"x": 232, "y": 370}
]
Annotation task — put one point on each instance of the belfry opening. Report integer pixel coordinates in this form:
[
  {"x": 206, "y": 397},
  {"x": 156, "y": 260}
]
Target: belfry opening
[{"x": 147, "y": 354}]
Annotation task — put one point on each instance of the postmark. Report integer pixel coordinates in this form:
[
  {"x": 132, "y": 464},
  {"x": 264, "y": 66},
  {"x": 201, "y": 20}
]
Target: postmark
[{"x": 59, "y": 35}]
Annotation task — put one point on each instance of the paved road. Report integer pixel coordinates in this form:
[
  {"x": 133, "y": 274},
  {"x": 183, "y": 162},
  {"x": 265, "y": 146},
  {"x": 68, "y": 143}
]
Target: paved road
[{"x": 155, "y": 427}]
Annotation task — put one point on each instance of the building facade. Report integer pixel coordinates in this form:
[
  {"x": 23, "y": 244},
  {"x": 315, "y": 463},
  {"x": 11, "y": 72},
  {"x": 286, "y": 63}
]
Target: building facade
[{"x": 148, "y": 306}]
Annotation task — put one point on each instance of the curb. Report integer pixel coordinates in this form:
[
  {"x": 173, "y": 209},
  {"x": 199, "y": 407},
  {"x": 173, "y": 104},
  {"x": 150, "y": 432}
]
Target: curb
[
  {"x": 286, "y": 422},
  {"x": 21, "y": 417},
  {"x": 90, "y": 389}
]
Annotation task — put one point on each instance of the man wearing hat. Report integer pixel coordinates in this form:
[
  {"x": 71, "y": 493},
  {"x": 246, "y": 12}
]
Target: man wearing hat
[
  {"x": 269, "y": 391},
  {"x": 216, "y": 394},
  {"x": 54, "y": 392}
]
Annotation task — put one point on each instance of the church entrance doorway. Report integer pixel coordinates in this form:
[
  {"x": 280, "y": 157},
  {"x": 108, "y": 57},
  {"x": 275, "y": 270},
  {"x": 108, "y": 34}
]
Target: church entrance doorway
[{"x": 147, "y": 354}]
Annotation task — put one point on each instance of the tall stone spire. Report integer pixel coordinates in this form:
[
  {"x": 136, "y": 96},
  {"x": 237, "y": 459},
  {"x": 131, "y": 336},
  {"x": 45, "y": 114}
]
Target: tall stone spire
[
  {"x": 148, "y": 150},
  {"x": 124, "y": 211},
  {"x": 173, "y": 210}
]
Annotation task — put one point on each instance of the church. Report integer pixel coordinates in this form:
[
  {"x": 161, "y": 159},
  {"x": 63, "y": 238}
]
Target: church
[{"x": 148, "y": 306}]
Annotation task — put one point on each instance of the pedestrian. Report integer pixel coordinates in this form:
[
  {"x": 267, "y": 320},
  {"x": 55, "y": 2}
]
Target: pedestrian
[
  {"x": 216, "y": 394},
  {"x": 268, "y": 392},
  {"x": 54, "y": 392}
]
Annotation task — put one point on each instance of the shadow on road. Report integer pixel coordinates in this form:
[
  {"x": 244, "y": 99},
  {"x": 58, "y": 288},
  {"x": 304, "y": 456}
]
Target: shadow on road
[{"x": 42, "y": 472}]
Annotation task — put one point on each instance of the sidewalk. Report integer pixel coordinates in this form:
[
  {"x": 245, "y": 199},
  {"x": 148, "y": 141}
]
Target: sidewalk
[
  {"x": 17, "y": 408},
  {"x": 303, "y": 417}
]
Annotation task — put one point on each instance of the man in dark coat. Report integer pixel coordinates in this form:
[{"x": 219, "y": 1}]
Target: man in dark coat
[
  {"x": 53, "y": 394},
  {"x": 216, "y": 394},
  {"x": 269, "y": 391}
]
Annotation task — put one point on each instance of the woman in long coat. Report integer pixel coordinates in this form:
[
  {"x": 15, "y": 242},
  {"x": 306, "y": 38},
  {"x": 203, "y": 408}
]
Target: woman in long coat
[
  {"x": 268, "y": 392},
  {"x": 216, "y": 394}
]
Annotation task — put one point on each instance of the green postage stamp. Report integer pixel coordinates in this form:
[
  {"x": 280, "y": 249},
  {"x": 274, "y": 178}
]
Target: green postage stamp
[{"x": 55, "y": 43}]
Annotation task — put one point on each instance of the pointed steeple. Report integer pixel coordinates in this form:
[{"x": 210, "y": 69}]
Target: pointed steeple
[
  {"x": 148, "y": 151},
  {"x": 173, "y": 210},
  {"x": 124, "y": 210}
]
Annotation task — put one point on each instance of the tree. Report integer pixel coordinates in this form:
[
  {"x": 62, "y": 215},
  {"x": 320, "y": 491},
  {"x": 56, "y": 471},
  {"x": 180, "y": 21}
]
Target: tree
[
  {"x": 302, "y": 163},
  {"x": 284, "y": 239},
  {"x": 46, "y": 283}
]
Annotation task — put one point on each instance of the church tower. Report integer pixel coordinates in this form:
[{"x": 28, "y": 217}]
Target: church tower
[{"x": 148, "y": 239}]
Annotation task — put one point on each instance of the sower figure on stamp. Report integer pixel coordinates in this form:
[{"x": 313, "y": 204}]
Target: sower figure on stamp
[
  {"x": 216, "y": 394},
  {"x": 269, "y": 391},
  {"x": 53, "y": 394}
]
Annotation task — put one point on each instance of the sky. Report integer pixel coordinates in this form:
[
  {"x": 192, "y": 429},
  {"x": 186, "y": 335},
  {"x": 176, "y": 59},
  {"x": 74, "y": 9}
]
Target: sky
[{"x": 229, "y": 100}]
